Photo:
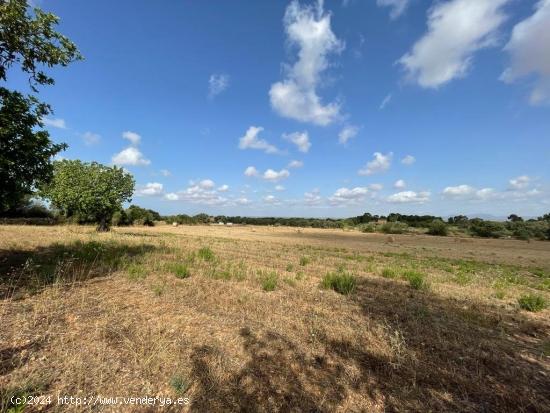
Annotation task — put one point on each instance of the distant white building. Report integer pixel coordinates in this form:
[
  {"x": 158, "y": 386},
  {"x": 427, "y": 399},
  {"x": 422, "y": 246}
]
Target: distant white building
[{"x": 229, "y": 224}]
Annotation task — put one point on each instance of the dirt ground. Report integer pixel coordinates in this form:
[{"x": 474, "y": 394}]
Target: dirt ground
[{"x": 237, "y": 319}]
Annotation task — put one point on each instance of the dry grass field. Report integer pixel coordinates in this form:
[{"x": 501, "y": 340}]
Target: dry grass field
[{"x": 245, "y": 319}]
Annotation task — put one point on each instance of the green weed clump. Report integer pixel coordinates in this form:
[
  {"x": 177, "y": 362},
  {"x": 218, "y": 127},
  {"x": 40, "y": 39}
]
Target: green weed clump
[
  {"x": 416, "y": 279},
  {"x": 389, "y": 272},
  {"x": 269, "y": 281},
  {"x": 206, "y": 254},
  {"x": 304, "y": 261},
  {"x": 340, "y": 281},
  {"x": 179, "y": 383},
  {"x": 180, "y": 270},
  {"x": 532, "y": 302},
  {"x": 136, "y": 271}
]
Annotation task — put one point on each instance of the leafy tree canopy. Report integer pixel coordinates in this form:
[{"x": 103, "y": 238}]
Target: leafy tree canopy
[
  {"x": 30, "y": 42},
  {"x": 89, "y": 189}
]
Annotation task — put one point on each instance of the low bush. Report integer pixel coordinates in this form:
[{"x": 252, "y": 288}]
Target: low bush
[
  {"x": 532, "y": 302},
  {"x": 367, "y": 228},
  {"x": 394, "y": 228},
  {"x": 487, "y": 229},
  {"x": 340, "y": 281},
  {"x": 438, "y": 227},
  {"x": 304, "y": 261}
]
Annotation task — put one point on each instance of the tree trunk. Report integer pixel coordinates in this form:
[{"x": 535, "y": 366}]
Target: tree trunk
[{"x": 103, "y": 226}]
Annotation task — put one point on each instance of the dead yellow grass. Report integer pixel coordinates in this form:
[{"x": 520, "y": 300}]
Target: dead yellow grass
[{"x": 114, "y": 320}]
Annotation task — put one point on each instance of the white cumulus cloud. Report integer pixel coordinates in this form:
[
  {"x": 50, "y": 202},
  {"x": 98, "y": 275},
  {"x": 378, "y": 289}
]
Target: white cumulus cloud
[
  {"x": 133, "y": 137},
  {"x": 409, "y": 197},
  {"x": 456, "y": 30},
  {"x": 399, "y": 184},
  {"x": 251, "y": 140},
  {"x": 130, "y": 156},
  {"x": 529, "y": 52},
  {"x": 251, "y": 171},
  {"x": 150, "y": 189},
  {"x": 274, "y": 176},
  {"x": 380, "y": 163},
  {"x": 300, "y": 139},
  {"x": 172, "y": 196},
  {"x": 520, "y": 182},
  {"x": 348, "y": 196},
  {"x": 308, "y": 28},
  {"x": 459, "y": 191},
  {"x": 467, "y": 192}
]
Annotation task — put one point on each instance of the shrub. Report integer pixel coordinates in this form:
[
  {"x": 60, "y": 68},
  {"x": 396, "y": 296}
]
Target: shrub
[
  {"x": 269, "y": 281},
  {"x": 340, "y": 281},
  {"x": 438, "y": 227},
  {"x": 394, "y": 228},
  {"x": 416, "y": 280},
  {"x": 367, "y": 228},
  {"x": 532, "y": 302},
  {"x": 487, "y": 229},
  {"x": 206, "y": 254},
  {"x": 180, "y": 270}
]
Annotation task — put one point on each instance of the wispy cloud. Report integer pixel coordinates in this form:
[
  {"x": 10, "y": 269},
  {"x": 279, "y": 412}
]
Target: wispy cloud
[
  {"x": 55, "y": 123},
  {"x": 217, "y": 83},
  {"x": 300, "y": 139}
]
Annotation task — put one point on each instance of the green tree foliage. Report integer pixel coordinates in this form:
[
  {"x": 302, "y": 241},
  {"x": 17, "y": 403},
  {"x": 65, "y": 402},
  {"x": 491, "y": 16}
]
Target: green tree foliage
[
  {"x": 515, "y": 218},
  {"x": 29, "y": 42},
  {"x": 459, "y": 220},
  {"x": 89, "y": 190},
  {"x": 141, "y": 216},
  {"x": 25, "y": 152}
]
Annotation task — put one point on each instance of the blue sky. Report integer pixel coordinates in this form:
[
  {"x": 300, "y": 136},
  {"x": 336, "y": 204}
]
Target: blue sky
[{"x": 412, "y": 106}]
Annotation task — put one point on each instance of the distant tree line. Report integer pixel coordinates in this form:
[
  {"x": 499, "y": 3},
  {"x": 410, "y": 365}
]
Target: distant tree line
[{"x": 394, "y": 223}]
